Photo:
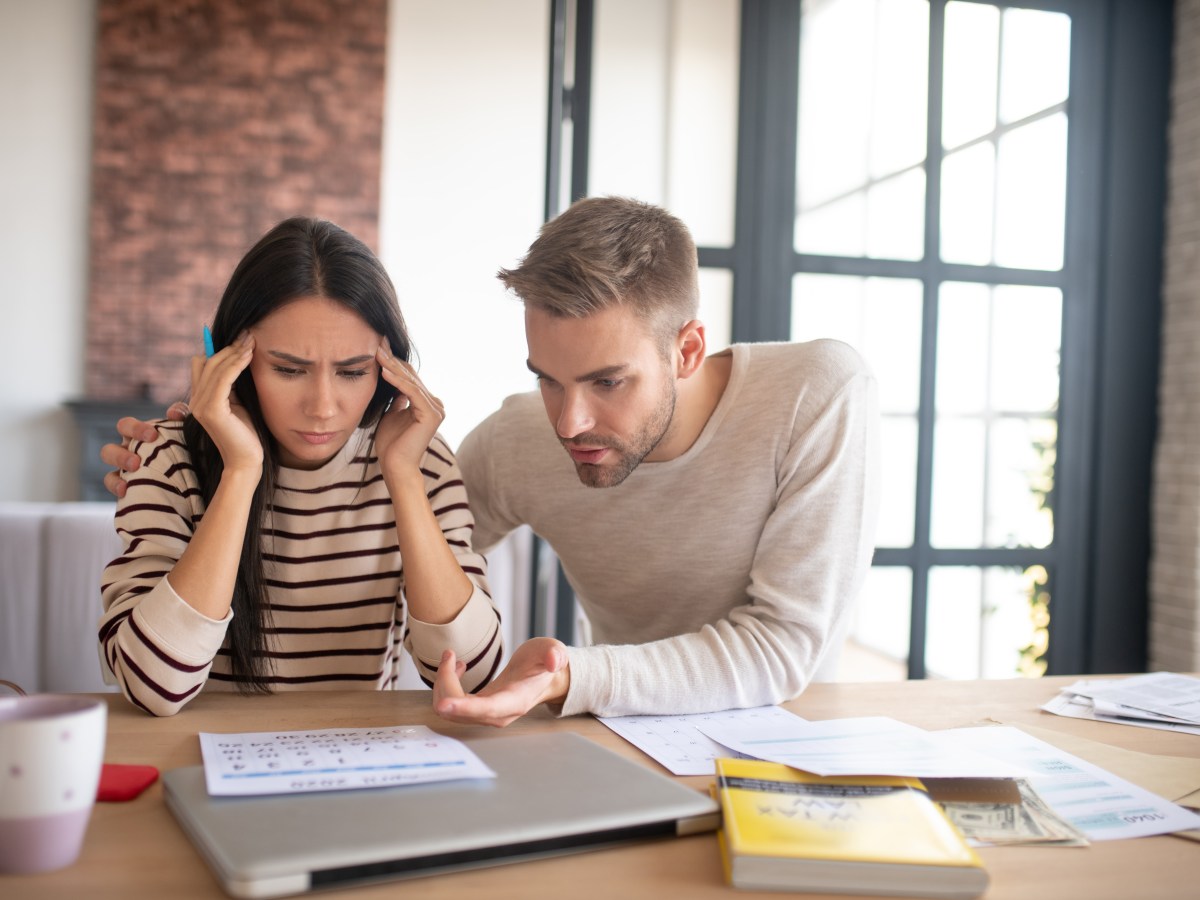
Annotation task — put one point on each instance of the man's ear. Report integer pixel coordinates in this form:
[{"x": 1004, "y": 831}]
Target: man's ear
[{"x": 690, "y": 347}]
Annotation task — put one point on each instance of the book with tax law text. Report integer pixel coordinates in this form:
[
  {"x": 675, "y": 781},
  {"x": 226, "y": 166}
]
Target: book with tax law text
[{"x": 784, "y": 829}]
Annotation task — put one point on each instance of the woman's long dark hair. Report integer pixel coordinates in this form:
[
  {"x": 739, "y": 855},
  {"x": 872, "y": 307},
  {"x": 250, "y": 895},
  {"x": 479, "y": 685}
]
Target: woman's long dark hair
[{"x": 298, "y": 258}]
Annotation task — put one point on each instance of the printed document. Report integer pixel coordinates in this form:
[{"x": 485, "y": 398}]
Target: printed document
[
  {"x": 1074, "y": 705},
  {"x": 1098, "y": 803},
  {"x": 333, "y": 759},
  {"x": 873, "y": 745},
  {"x": 678, "y": 743},
  {"x": 1157, "y": 696},
  {"x": 1131, "y": 701}
]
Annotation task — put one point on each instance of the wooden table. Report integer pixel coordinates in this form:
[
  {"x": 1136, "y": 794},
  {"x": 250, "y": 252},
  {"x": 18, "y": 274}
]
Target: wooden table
[{"x": 135, "y": 850}]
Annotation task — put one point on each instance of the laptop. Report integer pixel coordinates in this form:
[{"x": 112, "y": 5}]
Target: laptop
[{"x": 553, "y": 793}]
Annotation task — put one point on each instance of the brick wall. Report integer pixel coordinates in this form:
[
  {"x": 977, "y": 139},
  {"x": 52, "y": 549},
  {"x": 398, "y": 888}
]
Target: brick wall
[
  {"x": 214, "y": 119},
  {"x": 1175, "y": 567}
]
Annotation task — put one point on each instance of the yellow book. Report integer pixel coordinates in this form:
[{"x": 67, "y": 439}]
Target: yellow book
[{"x": 784, "y": 829}]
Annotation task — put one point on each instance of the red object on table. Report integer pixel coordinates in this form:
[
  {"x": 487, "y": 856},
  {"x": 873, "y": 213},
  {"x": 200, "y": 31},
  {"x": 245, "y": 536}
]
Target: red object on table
[{"x": 119, "y": 782}]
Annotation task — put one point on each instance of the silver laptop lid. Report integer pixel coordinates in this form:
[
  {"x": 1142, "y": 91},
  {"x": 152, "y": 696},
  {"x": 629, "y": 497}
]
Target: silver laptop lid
[{"x": 554, "y": 793}]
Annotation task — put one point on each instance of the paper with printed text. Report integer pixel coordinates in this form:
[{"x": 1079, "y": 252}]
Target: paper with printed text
[
  {"x": 679, "y": 744},
  {"x": 333, "y": 759}
]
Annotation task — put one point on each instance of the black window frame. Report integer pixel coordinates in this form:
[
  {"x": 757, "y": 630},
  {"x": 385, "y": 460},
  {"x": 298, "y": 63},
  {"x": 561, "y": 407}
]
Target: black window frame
[{"x": 1110, "y": 282}]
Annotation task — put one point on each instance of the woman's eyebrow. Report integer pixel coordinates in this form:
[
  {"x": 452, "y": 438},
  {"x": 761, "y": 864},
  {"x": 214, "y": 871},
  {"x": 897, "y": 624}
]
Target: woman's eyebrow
[{"x": 341, "y": 363}]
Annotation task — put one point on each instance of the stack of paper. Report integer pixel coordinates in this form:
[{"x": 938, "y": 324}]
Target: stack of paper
[
  {"x": 1092, "y": 801},
  {"x": 1161, "y": 700}
]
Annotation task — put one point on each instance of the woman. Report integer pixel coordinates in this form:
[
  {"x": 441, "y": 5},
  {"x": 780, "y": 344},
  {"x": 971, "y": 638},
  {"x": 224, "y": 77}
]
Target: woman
[{"x": 273, "y": 539}]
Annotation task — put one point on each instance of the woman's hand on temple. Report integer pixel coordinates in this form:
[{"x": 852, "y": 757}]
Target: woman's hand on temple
[
  {"x": 215, "y": 405},
  {"x": 406, "y": 428}
]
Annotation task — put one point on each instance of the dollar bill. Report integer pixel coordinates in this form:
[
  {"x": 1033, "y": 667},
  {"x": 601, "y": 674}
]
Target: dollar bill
[{"x": 1029, "y": 822}]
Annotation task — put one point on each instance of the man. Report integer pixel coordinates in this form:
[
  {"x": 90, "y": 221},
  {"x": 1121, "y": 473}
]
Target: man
[{"x": 714, "y": 514}]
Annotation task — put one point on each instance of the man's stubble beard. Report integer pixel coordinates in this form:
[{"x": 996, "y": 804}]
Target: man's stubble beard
[{"x": 645, "y": 441}]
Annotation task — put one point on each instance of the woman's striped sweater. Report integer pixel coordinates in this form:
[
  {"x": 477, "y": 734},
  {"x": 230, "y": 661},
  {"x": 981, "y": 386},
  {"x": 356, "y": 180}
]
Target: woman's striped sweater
[{"x": 334, "y": 573}]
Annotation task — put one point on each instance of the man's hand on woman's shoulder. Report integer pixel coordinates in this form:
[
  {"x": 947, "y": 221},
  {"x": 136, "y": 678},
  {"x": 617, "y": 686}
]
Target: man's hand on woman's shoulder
[{"x": 119, "y": 456}]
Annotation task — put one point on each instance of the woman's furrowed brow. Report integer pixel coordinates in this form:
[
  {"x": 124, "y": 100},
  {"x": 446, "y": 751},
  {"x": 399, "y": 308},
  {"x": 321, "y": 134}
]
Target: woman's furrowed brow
[{"x": 340, "y": 363}]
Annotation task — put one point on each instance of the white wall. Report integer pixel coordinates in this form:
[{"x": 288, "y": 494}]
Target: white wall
[
  {"x": 46, "y": 53},
  {"x": 664, "y": 108},
  {"x": 464, "y": 156},
  {"x": 630, "y": 99},
  {"x": 664, "y": 122}
]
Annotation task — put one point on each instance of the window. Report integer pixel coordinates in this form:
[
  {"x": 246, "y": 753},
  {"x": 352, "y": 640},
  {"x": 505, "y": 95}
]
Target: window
[
  {"x": 947, "y": 222},
  {"x": 970, "y": 193},
  {"x": 961, "y": 169}
]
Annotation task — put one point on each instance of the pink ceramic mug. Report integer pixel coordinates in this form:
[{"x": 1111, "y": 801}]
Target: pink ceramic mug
[{"x": 51, "y": 751}]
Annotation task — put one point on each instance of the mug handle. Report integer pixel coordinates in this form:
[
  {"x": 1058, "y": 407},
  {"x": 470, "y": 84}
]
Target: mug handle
[{"x": 13, "y": 686}]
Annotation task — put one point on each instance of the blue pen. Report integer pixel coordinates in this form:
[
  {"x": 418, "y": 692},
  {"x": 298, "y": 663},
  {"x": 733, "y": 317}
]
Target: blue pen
[{"x": 209, "y": 350}]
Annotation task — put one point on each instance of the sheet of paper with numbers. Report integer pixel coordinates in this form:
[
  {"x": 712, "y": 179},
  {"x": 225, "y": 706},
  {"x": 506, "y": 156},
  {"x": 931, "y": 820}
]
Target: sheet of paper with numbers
[
  {"x": 678, "y": 744},
  {"x": 333, "y": 759}
]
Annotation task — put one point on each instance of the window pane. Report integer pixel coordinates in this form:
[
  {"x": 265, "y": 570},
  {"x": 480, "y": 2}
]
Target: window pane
[
  {"x": 1020, "y": 477},
  {"x": 1022, "y": 62},
  {"x": 879, "y": 317},
  {"x": 995, "y": 437},
  {"x": 1031, "y": 190},
  {"x": 901, "y": 78},
  {"x": 986, "y": 622},
  {"x": 862, "y": 95},
  {"x": 968, "y": 204},
  {"x": 667, "y": 72},
  {"x": 964, "y": 314},
  {"x": 992, "y": 482},
  {"x": 972, "y": 40},
  {"x": 896, "y": 217},
  {"x": 959, "y": 466},
  {"x": 953, "y": 629},
  {"x": 836, "y": 229},
  {"x": 835, "y": 99},
  {"x": 877, "y": 645},
  {"x": 1035, "y": 64},
  {"x": 998, "y": 348},
  {"x": 1025, "y": 335},
  {"x": 716, "y": 307}
]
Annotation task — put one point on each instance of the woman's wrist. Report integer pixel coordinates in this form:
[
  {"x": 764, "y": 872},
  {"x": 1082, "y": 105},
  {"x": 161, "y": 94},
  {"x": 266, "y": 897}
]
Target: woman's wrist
[
  {"x": 404, "y": 479},
  {"x": 244, "y": 477}
]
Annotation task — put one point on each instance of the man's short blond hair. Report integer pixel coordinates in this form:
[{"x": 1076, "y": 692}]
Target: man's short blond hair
[{"x": 608, "y": 251}]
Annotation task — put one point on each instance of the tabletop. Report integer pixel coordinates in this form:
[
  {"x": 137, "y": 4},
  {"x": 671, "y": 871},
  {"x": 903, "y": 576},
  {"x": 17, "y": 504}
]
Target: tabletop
[{"x": 135, "y": 849}]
